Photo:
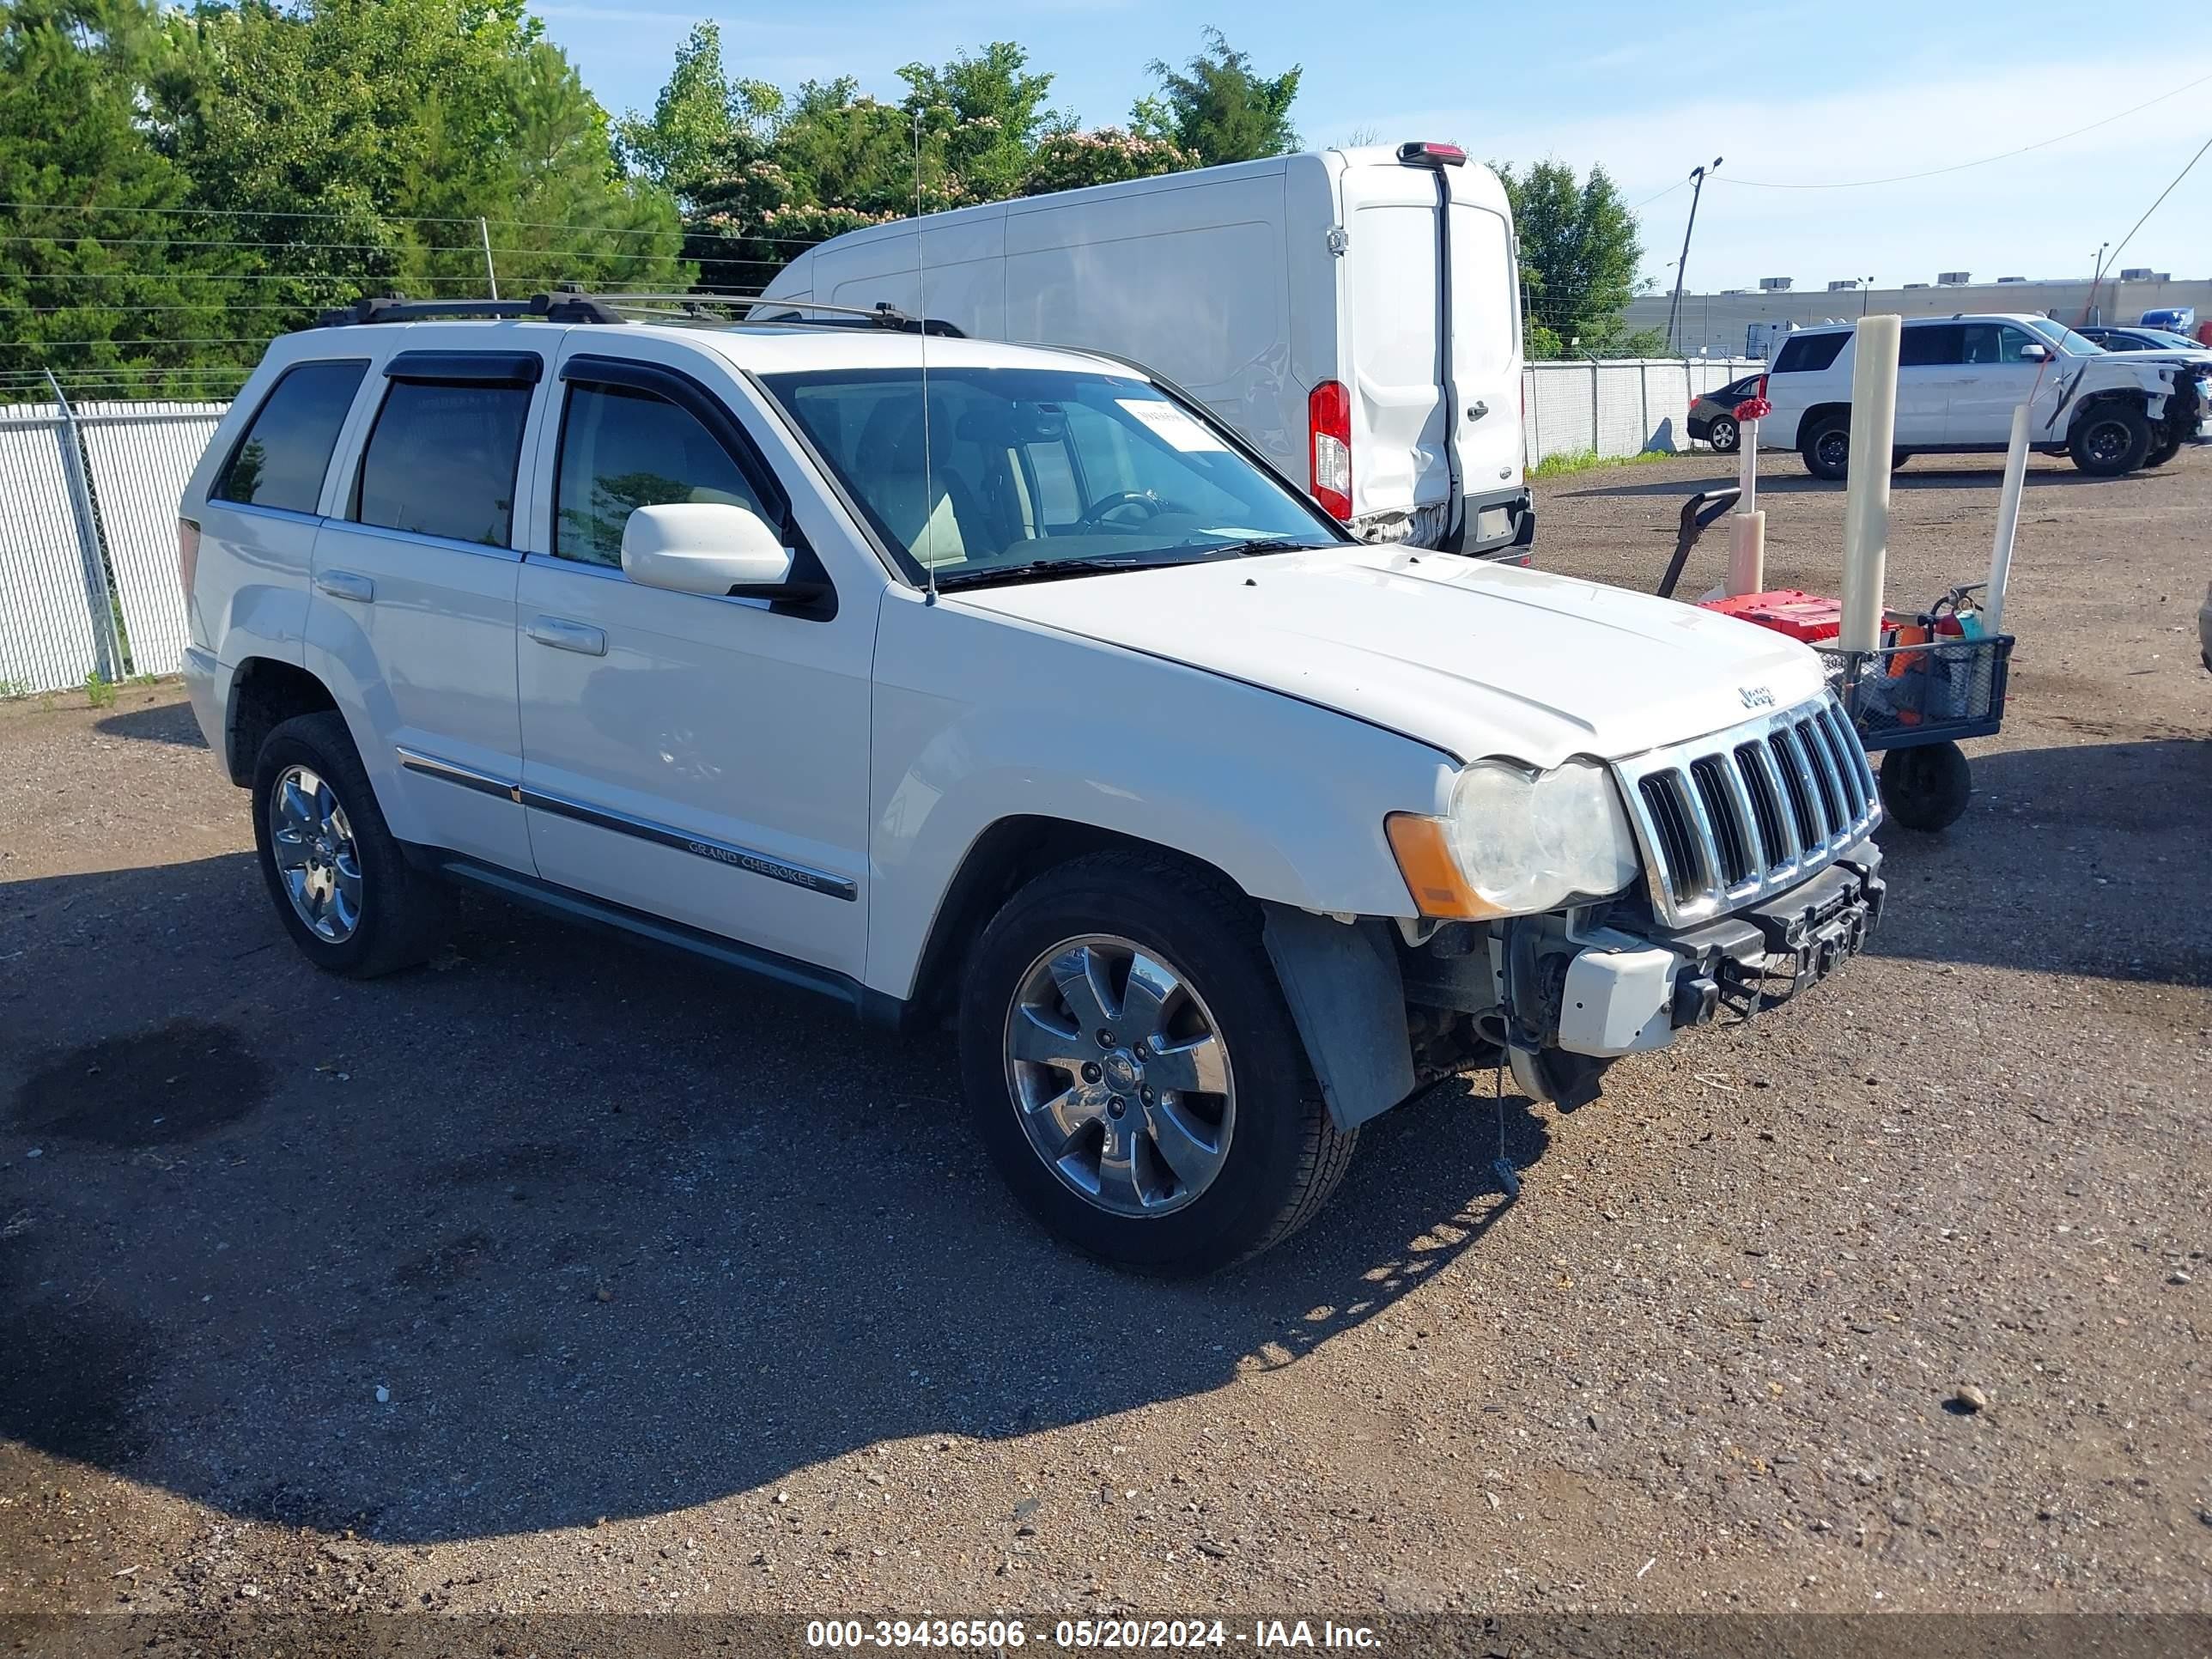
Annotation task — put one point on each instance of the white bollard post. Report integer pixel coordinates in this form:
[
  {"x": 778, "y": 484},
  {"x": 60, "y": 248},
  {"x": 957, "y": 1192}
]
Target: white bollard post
[
  {"x": 1866, "y": 501},
  {"x": 1746, "y": 478},
  {"x": 2015, "y": 481}
]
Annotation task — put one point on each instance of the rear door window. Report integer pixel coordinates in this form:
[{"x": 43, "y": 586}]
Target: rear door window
[
  {"x": 442, "y": 460},
  {"x": 287, "y": 448},
  {"x": 1803, "y": 353},
  {"x": 1932, "y": 346}
]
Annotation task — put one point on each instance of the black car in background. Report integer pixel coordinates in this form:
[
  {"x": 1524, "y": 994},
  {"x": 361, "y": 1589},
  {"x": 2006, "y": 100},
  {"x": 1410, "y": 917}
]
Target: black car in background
[{"x": 1712, "y": 416}]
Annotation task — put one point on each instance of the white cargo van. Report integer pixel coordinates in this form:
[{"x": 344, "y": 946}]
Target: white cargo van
[{"x": 1313, "y": 302}]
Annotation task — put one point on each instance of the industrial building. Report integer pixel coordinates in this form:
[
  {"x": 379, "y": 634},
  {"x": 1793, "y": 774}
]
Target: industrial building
[{"x": 1741, "y": 322}]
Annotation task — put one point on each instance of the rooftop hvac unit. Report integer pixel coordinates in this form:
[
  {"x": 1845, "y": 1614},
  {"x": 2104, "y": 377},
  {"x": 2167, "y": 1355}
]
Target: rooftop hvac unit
[
  {"x": 1843, "y": 283},
  {"x": 1774, "y": 284},
  {"x": 1913, "y": 285},
  {"x": 2138, "y": 274},
  {"x": 1953, "y": 278},
  {"x": 2011, "y": 279}
]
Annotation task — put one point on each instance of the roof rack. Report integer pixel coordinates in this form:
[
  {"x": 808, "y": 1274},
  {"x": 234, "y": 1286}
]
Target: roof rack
[
  {"x": 571, "y": 304},
  {"x": 697, "y": 303}
]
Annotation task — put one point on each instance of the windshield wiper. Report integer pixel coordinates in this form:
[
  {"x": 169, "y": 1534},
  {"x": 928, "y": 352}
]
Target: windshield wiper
[
  {"x": 1269, "y": 544},
  {"x": 1046, "y": 570}
]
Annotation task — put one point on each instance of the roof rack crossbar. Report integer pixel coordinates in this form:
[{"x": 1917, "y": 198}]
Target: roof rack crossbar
[
  {"x": 697, "y": 301},
  {"x": 569, "y": 306}
]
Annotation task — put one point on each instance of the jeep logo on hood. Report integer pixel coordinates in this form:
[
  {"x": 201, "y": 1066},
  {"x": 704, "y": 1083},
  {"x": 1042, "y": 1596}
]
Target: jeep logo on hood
[{"x": 1755, "y": 696}]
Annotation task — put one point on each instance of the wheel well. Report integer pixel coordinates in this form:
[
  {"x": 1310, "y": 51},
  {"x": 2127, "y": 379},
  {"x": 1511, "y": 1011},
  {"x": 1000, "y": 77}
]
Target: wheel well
[
  {"x": 1810, "y": 423},
  {"x": 265, "y": 694},
  {"x": 2097, "y": 400},
  {"x": 1008, "y": 854}
]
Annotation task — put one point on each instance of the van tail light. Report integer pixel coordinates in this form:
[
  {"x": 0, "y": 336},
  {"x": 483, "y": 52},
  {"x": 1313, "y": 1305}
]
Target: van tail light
[
  {"x": 1328, "y": 415},
  {"x": 188, "y": 553}
]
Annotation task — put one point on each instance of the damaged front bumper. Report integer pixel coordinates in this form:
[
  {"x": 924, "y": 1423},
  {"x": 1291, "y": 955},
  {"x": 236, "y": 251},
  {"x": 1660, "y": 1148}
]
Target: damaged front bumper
[{"x": 1563, "y": 995}]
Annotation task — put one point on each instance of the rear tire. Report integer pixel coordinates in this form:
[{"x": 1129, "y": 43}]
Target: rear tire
[
  {"x": 2110, "y": 438},
  {"x": 1722, "y": 435},
  {"x": 1255, "y": 1154},
  {"x": 340, "y": 885},
  {"x": 1926, "y": 788},
  {"x": 1826, "y": 448}
]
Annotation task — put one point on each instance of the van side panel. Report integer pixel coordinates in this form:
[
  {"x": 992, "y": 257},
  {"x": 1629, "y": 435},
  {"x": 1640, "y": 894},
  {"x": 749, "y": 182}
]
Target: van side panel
[
  {"x": 1188, "y": 280},
  {"x": 962, "y": 264}
]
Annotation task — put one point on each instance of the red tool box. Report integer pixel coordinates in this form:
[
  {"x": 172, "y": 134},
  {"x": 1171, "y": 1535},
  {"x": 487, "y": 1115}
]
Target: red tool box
[{"x": 1802, "y": 616}]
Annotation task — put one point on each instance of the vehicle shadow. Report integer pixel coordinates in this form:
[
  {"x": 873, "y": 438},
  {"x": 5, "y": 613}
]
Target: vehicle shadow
[
  {"x": 556, "y": 1230},
  {"x": 166, "y": 722},
  {"x": 2109, "y": 836}
]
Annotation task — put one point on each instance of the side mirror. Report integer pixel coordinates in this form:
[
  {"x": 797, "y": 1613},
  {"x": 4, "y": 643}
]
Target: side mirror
[
  {"x": 2034, "y": 353},
  {"x": 715, "y": 548}
]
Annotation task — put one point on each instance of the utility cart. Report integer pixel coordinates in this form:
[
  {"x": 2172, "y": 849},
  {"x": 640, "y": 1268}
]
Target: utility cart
[{"x": 1938, "y": 677}]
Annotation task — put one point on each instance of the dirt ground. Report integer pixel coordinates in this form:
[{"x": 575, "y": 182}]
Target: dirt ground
[{"x": 564, "y": 1276}]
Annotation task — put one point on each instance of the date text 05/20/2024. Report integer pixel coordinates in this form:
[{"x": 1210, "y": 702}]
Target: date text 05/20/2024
[{"x": 988, "y": 1634}]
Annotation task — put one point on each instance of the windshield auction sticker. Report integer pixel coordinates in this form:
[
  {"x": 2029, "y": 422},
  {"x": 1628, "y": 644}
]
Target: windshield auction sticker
[{"x": 1170, "y": 425}]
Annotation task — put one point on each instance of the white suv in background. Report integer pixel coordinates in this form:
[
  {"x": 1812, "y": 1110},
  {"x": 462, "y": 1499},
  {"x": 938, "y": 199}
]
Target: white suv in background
[
  {"x": 1958, "y": 380},
  {"x": 1010, "y": 690}
]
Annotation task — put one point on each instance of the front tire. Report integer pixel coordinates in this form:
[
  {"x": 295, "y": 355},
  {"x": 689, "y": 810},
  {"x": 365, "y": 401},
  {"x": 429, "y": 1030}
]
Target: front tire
[
  {"x": 1135, "y": 1073},
  {"x": 2110, "y": 438},
  {"x": 2162, "y": 452},
  {"x": 342, "y": 887}
]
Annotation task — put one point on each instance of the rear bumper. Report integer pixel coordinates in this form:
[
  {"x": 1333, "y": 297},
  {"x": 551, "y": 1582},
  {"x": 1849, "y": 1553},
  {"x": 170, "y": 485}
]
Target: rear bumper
[
  {"x": 207, "y": 685},
  {"x": 1499, "y": 525}
]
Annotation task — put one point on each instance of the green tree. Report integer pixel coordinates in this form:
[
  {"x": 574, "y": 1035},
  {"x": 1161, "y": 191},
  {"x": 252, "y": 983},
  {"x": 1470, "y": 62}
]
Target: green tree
[
  {"x": 101, "y": 264},
  {"x": 362, "y": 139},
  {"x": 987, "y": 113},
  {"x": 1218, "y": 108},
  {"x": 1071, "y": 160},
  {"x": 705, "y": 123},
  {"x": 1579, "y": 254}
]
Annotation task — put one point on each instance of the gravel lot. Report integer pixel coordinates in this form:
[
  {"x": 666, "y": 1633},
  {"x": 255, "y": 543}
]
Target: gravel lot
[{"x": 564, "y": 1276}]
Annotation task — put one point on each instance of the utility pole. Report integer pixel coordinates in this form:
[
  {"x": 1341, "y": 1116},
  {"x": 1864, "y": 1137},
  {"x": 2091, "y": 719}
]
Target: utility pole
[
  {"x": 1866, "y": 292},
  {"x": 1697, "y": 190}
]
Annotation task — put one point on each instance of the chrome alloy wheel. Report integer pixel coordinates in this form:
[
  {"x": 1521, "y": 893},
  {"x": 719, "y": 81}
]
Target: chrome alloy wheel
[
  {"x": 316, "y": 857},
  {"x": 1120, "y": 1076}
]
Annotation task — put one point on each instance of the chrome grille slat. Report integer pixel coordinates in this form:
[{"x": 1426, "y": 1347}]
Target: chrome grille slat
[{"x": 1733, "y": 817}]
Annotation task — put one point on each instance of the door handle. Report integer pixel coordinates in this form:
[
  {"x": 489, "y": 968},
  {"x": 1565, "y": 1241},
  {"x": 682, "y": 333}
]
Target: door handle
[
  {"x": 344, "y": 584},
  {"x": 563, "y": 635},
  {"x": 1477, "y": 409}
]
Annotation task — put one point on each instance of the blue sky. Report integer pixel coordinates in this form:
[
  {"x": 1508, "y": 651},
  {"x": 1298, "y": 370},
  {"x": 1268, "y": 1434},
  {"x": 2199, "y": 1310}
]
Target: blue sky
[{"x": 1786, "y": 94}]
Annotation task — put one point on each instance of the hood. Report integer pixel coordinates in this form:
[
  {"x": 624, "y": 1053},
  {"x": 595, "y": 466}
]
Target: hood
[{"x": 1474, "y": 658}]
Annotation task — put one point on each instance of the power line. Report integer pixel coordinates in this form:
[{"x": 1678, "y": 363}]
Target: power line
[
  {"x": 2162, "y": 195},
  {"x": 1960, "y": 166}
]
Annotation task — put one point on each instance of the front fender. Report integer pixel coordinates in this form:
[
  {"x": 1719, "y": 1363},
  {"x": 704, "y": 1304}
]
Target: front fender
[{"x": 980, "y": 718}]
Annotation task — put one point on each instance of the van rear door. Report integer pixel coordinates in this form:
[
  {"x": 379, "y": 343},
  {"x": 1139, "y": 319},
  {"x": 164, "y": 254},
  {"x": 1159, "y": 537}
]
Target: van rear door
[{"x": 1433, "y": 352}]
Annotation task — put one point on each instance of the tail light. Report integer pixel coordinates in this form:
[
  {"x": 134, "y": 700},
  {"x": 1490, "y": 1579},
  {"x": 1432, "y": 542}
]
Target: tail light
[
  {"x": 1328, "y": 415},
  {"x": 188, "y": 553}
]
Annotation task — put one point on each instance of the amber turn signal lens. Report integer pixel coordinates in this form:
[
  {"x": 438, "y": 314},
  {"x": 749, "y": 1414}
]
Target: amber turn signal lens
[{"x": 1422, "y": 846}]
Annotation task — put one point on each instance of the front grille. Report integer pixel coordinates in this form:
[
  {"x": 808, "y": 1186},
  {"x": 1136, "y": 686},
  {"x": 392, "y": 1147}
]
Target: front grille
[{"x": 1727, "y": 820}]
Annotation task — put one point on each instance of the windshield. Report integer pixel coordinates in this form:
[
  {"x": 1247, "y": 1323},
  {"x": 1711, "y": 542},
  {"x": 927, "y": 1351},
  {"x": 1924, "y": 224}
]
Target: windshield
[
  {"x": 2169, "y": 340},
  {"x": 1032, "y": 472},
  {"x": 2064, "y": 338}
]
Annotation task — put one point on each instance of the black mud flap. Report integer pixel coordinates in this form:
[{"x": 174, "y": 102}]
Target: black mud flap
[{"x": 1345, "y": 992}]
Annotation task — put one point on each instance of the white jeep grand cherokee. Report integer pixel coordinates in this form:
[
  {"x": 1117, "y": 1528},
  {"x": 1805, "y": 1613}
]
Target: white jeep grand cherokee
[{"x": 1040, "y": 705}]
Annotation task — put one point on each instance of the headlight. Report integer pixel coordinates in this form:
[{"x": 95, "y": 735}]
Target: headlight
[{"x": 1518, "y": 843}]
